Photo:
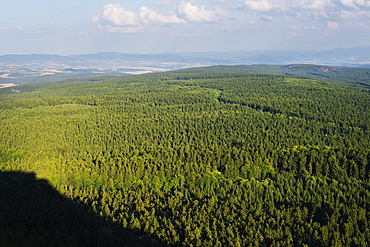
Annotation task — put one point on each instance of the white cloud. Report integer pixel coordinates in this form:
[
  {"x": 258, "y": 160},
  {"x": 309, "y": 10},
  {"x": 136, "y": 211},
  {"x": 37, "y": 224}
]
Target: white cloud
[
  {"x": 3, "y": 28},
  {"x": 164, "y": 3},
  {"x": 263, "y": 5},
  {"x": 290, "y": 5},
  {"x": 348, "y": 3},
  {"x": 354, "y": 15},
  {"x": 304, "y": 28},
  {"x": 319, "y": 14},
  {"x": 197, "y": 14},
  {"x": 267, "y": 17},
  {"x": 148, "y": 16},
  {"x": 116, "y": 19},
  {"x": 348, "y": 15},
  {"x": 332, "y": 25},
  {"x": 267, "y": 5},
  {"x": 355, "y": 3},
  {"x": 117, "y": 15},
  {"x": 307, "y": 10},
  {"x": 115, "y": 29},
  {"x": 314, "y": 4}
]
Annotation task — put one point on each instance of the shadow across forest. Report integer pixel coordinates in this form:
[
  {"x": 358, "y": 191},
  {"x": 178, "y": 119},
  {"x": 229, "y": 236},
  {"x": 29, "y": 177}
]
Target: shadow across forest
[{"x": 33, "y": 213}]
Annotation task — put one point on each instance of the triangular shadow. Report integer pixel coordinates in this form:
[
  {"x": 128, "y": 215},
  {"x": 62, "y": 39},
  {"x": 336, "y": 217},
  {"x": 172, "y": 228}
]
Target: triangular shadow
[{"x": 33, "y": 213}]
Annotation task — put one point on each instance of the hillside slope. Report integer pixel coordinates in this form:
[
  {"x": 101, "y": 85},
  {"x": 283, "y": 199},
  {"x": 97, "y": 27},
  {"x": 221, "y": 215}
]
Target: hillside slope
[{"x": 360, "y": 76}]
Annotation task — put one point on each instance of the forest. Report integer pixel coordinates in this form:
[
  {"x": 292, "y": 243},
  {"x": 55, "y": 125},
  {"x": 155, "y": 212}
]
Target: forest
[{"x": 186, "y": 158}]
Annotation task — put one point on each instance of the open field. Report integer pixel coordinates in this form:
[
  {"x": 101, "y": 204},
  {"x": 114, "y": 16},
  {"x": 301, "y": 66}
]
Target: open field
[{"x": 7, "y": 85}]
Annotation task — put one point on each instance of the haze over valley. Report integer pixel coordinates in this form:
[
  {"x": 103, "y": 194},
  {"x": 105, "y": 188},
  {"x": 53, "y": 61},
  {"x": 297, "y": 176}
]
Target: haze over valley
[{"x": 21, "y": 69}]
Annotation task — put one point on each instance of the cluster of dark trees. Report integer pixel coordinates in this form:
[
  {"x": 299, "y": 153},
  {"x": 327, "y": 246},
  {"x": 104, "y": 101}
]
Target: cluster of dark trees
[{"x": 196, "y": 159}]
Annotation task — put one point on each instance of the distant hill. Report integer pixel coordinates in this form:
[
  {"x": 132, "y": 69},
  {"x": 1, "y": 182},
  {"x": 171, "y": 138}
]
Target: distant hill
[
  {"x": 356, "y": 57},
  {"x": 348, "y": 57},
  {"x": 359, "y": 76},
  {"x": 33, "y": 68}
]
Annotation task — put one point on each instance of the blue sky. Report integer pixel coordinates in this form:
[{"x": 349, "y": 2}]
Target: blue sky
[{"x": 88, "y": 26}]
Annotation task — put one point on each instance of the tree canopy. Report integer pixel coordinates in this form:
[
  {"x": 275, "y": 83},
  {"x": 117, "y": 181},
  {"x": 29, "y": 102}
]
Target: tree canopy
[{"x": 201, "y": 159}]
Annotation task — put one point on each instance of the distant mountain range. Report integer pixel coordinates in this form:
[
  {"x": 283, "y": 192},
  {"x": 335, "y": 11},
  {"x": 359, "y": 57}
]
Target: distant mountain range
[
  {"x": 22, "y": 69},
  {"x": 348, "y": 57}
]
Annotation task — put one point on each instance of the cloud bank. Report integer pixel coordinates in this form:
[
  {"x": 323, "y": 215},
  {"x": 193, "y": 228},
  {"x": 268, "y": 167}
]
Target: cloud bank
[
  {"x": 115, "y": 18},
  {"x": 196, "y": 14},
  {"x": 299, "y": 7},
  {"x": 148, "y": 17},
  {"x": 332, "y": 13},
  {"x": 329, "y": 14}
]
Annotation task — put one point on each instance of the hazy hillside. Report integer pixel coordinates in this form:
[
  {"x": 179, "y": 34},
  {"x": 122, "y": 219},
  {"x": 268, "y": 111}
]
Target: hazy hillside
[
  {"x": 359, "y": 76},
  {"x": 22, "y": 69},
  {"x": 357, "y": 56}
]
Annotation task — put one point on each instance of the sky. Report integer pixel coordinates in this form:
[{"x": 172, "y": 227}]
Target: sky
[{"x": 89, "y": 26}]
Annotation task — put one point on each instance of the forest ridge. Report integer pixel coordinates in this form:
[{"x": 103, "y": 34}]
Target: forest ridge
[{"x": 200, "y": 157}]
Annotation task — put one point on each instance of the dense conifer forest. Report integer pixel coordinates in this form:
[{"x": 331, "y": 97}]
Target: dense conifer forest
[{"x": 186, "y": 158}]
